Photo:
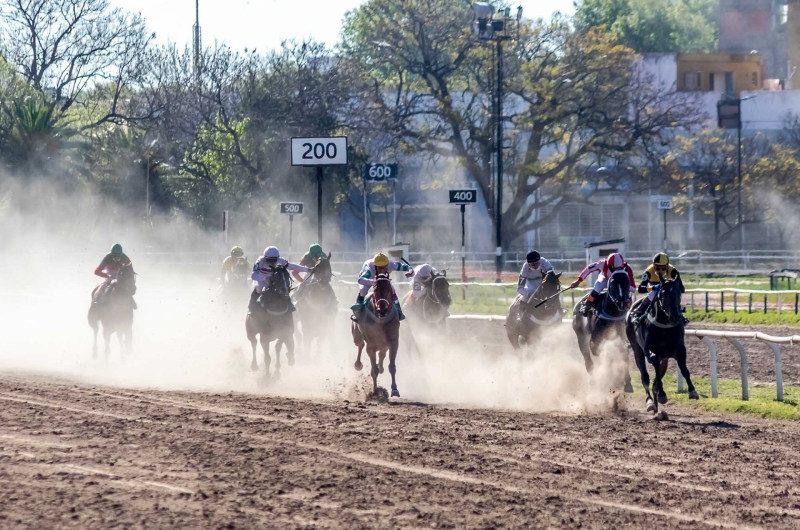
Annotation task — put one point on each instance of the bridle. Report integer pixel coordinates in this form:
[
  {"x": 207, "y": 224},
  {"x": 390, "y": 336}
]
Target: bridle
[{"x": 438, "y": 314}]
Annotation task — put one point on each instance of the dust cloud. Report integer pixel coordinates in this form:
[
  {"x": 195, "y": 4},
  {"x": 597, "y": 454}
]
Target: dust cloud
[{"x": 186, "y": 336}]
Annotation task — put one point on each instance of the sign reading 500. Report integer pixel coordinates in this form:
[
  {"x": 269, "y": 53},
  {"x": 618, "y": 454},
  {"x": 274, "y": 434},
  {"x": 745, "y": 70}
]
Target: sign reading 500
[{"x": 319, "y": 151}]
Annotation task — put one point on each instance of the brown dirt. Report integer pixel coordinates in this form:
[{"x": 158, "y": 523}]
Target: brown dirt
[{"x": 98, "y": 457}]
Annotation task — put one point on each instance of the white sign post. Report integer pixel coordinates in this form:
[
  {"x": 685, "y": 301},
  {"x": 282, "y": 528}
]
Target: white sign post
[
  {"x": 381, "y": 172},
  {"x": 291, "y": 209},
  {"x": 319, "y": 152},
  {"x": 664, "y": 205}
]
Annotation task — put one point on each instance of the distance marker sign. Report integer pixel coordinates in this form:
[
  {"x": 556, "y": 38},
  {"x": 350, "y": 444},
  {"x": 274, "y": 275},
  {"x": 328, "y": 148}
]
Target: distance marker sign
[
  {"x": 319, "y": 151},
  {"x": 292, "y": 208},
  {"x": 468, "y": 196},
  {"x": 380, "y": 172},
  {"x": 664, "y": 204}
]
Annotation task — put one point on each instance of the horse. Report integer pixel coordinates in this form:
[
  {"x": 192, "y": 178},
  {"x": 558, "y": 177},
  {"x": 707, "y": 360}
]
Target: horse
[
  {"x": 378, "y": 328},
  {"x": 658, "y": 338},
  {"x": 606, "y": 323},
  {"x": 273, "y": 321},
  {"x": 113, "y": 308},
  {"x": 316, "y": 304},
  {"x": 432, "y": 309},
  {"x": 520, "y": 328},
  {"x": 236, "y": 285}
]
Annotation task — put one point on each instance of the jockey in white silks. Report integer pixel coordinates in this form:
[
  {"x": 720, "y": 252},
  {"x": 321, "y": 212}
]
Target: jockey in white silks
[{"x": 263, "y": 269}]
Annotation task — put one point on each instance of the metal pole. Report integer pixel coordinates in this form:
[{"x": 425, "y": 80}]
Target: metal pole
[
  {"x": 366, "y": 228},
  {"x": 147, "y": 195},
  {"x": 739, "y": 164},
  {"x": 665, "y": 230},
  {"x": 394, "y": 212},
  {"x": 319, "y": 204},
  {"x": 291, "y": 218},
  {"x": 463, "y": 252},
  {"x": 499, "y": 155}
]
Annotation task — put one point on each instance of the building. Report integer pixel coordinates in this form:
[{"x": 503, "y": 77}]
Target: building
[{"x": 724, "y": 73}]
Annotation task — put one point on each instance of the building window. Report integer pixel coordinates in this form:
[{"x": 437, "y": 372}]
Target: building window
[
  {"x": 754, "y": 79},
  {"x": 692, "y": 80},
  {"x": 729, "y": 88}
]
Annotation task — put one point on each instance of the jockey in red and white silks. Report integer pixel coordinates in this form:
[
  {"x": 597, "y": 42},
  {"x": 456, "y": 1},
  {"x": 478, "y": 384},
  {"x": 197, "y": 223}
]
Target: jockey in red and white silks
[{"x": 605, "y": 267}]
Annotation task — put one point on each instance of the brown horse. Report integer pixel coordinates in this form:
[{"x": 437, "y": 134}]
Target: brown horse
[
  {"x": 114, "y": 310},
  {"x": 316, "y": 306},
  {"x": 273, "y": 321},
  {"x": 378, "y": 328}
]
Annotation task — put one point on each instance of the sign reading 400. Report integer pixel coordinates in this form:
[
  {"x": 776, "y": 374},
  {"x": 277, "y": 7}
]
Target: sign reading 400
[
  {"x": 319, "y": 151},
  {"x": 463, "y": 196}
]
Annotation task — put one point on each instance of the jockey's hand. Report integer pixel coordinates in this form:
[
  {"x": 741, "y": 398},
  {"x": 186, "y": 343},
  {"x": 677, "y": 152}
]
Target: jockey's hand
[
  {"x": 575, "y": 283},
  {"x": 410, "y": 273}
]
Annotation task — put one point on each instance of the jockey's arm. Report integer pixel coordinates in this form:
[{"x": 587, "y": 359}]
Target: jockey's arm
[
  {"x": 295, "y": 267},
  {"x": 645, "y": 283},
  {"x": 631, "y": 279},
  {"x": 100, "y": 270},
  {"x": 589, "y": 269},
  {"x": 677, "y": 277},
  {"x": 295, "y": 274}
]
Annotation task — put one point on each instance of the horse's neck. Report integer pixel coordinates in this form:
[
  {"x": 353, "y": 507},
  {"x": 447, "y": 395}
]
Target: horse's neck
[{"x": 610, "y": 308}]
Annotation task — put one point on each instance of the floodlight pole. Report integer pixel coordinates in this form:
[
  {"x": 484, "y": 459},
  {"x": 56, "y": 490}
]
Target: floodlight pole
[
  {"x": 739, "y": 170},
  {"x": 499, "y": 210}
]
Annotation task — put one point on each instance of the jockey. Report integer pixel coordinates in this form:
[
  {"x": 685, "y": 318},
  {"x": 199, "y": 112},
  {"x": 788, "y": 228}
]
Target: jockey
[
  {"x": 652, "y": 277},
  {"x": 109, "y": 269},
  {"x": 531, "y": 276},
  {"x": 380, "y": 264},
  {"x": 420, "y": 283},
  {"x": 263, "y": 269},
  {"x": 606, "y": 267},
  {"x": 310, "y": 258},
  {"x": 234, "y": 263}
]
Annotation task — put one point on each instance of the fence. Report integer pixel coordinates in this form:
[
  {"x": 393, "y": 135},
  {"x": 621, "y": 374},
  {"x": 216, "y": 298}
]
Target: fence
[{"x": 708, "y": 336}]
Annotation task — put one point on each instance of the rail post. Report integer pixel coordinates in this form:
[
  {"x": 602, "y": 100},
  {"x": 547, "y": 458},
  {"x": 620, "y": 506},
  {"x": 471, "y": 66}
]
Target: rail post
[
  {"x": 796, "y": 302},
  {"x": 706, "y": 301},
  {"x": 780, "y": 303},
  {"x": 765, "y": 303},
  {"x": 743, "y": 364},
  {"x": 692, "y": 298},
  {"x": 735, "y": 307},
  {"x": 712, "y": 355},
  {"x": 750, "y": 304},
  {"x": 722, "y": 301},
  {"x": 776, "y": 351}
]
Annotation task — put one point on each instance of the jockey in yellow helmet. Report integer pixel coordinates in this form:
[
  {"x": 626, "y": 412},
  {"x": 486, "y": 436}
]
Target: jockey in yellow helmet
[{"x": 380, "y": 264}]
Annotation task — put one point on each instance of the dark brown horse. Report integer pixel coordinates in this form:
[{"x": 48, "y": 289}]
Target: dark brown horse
[
  {"x": 316, "y": 305},
  {"x": 273, "y": 321},
  {"x": 378, "y": 328},
  {"x": 113, "y": 308},
  {"x": 523, "y": 326}
]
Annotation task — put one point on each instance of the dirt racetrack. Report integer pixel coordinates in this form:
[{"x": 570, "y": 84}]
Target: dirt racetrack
[{"x": 73, "y": 455}]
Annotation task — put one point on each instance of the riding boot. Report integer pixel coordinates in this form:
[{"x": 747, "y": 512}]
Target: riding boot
[
  {"x": 253, "y": 301},
  {"x": 133, "y": 304},
  {"x": 356, "y": 309},
  {"x": 292, "y": 308},
  {"x": 588, "y": 303},
  {"x": 640, "y": 311}
]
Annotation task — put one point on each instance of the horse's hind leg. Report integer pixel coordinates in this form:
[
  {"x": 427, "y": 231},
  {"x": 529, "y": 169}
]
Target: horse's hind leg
[
  {"x": 641, "y": 364},
  {"x": 94, "y": 343},
  {"x": 107, "y": 342},
  {"x": 680, "y": 358},
  {"x": 289, "y": 349}
]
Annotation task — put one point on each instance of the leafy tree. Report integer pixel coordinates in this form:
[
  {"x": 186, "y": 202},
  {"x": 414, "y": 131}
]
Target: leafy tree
[
  {"x": 649, "y": 26},
  {"x": 573, "y": 100}
]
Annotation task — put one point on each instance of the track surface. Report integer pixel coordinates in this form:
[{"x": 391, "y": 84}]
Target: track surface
[{"x": 99, "y": 457}]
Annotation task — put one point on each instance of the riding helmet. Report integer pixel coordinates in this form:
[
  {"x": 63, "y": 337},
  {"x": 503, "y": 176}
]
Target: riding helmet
[
  {"x": 615, "y": 261},
  {"x": 381, "y": 260},
  {"x": 116, "y": 249},
  {"x": 661, "y": 259},
  {"x": 237, "y": 252},
  {"x": 532, "y": 256},
  {"x": 272, "y": 252},
  {"x": 316, "y": 248},
  {"x": 424, "y": 271}
]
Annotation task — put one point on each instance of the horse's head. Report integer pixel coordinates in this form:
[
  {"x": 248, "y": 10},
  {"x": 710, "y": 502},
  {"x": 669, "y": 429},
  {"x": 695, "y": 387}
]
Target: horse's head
[
  {"x": 382, "y": 295},
  {"x": 551, "y": 284},
  {"x": 668, "y": 301},
  {"x": 619, "y": 288},
  {"x": 322, "y": 269},
  {"x": 126, "y": 279},
  {"x": 439, "y": 290},
  {"x": 280, "y": 282}
]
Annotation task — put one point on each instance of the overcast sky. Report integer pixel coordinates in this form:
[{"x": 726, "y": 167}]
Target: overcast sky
[{"x": 263, "y": 24}]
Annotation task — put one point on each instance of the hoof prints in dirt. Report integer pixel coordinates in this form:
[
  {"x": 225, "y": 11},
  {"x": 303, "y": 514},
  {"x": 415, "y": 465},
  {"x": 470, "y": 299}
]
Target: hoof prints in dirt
[{"x": 381, "y": 395}]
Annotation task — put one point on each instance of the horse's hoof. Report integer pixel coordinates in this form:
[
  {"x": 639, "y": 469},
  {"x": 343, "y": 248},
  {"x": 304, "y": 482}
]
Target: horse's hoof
[
  {"x": 291, "y": 360},
  {"x": 276, "y": 376},
  {"x": 694, "y": 395},
  {"x": 663, "y": 399},
  {"x": 628, "y": 388},
  {"x": 358, "y": 366},
  {"x": 254, "y": 367},
  {"x": 651, "y": 406},
  {"x": 395, "y": 392},
  {"x": 380, "y": 368}
]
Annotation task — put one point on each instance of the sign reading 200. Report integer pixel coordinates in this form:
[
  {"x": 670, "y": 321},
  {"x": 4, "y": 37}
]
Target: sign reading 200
[{"x": 319, "y": 151}]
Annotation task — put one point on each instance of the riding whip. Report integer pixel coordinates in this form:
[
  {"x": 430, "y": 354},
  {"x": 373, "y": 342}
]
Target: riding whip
[{"x": 551, "y": 297}]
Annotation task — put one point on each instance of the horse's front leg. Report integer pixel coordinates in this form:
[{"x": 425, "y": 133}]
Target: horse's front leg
[
  {"x": 278, "y": 347},
  {"x": 641, "y": 364},
  {"x": 372, "y": 352},
  {"x": 658, "y": 384},
  {"x": 94, "y": 344},
  {"x": 358, "y": 339},
  {"x": 393, "y": 345},
  {"x": 267, "y": 359},
  {"x": 289, "y": 341},
  {"x": 107, "y": 342},
  {"x": 680, "y": 358}
]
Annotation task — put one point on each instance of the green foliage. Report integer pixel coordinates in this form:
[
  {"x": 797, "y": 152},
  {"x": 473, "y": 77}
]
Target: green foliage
[{"x": 649, "y": 26}]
